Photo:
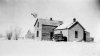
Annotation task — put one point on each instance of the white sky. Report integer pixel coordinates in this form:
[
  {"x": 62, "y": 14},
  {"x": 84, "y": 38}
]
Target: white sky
[{"x": 16, "y": 13}]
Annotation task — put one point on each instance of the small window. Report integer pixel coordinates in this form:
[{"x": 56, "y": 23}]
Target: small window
[
  {"x": 76, "y": 34},
  {"x": 38, "y": 24},
  {"x": 37, "y": 33},
  {"x": 60, "y": 32}
]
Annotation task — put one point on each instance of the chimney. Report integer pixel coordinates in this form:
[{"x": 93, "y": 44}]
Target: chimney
[
  {"x": 50, "y": 19},
  {"x": 74, "y": 19}
]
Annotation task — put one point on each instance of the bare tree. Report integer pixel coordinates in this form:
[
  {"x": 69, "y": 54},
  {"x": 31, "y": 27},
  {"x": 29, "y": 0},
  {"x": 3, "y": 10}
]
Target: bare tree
[
  {"x": 17, "y": 33},
  {"x": 13, "y": 34},
  {"x": 9, "y": 35}
]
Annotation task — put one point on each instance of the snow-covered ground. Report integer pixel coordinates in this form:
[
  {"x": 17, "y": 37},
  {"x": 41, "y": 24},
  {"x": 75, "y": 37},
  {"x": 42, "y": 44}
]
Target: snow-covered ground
[{"x": 47, "y": 48}]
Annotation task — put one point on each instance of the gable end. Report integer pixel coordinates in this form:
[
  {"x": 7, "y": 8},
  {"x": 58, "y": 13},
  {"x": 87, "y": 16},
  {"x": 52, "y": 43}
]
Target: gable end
[{"x": 75, "y": 24}]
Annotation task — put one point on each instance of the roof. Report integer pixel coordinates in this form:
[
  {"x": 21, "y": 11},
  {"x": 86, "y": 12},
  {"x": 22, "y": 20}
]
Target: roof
[
  {"x": 65, "y": 26},
  {"x": 48, "y": 22}
]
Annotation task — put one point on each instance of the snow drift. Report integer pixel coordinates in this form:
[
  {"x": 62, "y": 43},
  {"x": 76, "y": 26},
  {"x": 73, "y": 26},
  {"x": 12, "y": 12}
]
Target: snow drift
[{"x": 47, "y": 48}]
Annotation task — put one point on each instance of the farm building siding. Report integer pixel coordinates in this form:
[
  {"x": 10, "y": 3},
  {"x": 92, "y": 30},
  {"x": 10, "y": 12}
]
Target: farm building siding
[
  {"x": 39, "y": 30},
  {"x": 71, "y": 33},
  {"x": 46, "y": 30}
]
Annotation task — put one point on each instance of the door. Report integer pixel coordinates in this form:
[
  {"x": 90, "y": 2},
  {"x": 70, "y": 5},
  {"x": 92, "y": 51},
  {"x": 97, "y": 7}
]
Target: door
[
  {"x": 84, "y": 36},
  {"x": 51, "y": 35}
]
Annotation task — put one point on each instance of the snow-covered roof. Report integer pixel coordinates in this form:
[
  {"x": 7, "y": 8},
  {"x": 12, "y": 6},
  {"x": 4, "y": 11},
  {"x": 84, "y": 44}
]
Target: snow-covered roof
[
  {"x": 48, "y": 22},
  {"x": 66, "y": 26}
]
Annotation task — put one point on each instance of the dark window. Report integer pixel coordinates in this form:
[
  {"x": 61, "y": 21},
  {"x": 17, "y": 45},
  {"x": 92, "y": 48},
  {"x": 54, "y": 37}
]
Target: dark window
[
  {"x": 37, "y": 33},
  {"x": 76, "y": 34},
  {"x": 60, "y": 32},
  {"x": 38, "y": 24}
]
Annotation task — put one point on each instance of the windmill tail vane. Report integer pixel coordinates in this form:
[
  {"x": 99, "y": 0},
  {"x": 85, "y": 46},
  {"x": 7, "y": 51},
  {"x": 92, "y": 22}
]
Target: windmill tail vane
[{"x": 34, "y": 15}]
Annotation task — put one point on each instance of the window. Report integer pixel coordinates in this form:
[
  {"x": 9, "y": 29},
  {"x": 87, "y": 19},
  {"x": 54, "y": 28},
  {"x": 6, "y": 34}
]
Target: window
[
  {"x": 60, "y": 32},
  {"x": 38, "y": 24},
  {"x": 76, "y": 34},
  {"x": 37, "y": 33}
]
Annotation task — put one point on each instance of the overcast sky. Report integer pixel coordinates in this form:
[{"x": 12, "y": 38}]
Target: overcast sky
[{"x": 17, "y": 13}]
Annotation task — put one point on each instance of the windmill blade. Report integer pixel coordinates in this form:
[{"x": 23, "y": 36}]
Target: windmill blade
[{"x": 34, "y": 15}]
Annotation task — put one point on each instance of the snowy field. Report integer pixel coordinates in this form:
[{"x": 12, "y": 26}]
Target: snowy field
[{"x": 47, "y": 48}]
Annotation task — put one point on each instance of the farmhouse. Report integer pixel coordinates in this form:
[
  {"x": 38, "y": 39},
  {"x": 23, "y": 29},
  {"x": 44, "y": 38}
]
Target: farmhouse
[
  {"x": 44, "y": 28},
  {"x": 74, "y": 32}
]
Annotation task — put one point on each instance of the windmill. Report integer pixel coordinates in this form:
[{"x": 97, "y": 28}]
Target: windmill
[{"x": 34, "y": 15}]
